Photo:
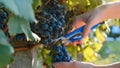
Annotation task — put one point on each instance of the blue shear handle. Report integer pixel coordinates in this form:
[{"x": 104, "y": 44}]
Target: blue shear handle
[
  {"x": 79, "y": 30},
  {"x": 75, "y": 38}
]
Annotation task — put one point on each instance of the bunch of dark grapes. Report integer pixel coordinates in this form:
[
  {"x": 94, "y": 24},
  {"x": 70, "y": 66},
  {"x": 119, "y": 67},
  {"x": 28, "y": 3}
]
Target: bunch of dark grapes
[
  {"x": 3, "y": 21},
  {"x": 51, "y": 21},
  {"x": 59, "y": 54},
  {"x": 3, "y": 18},
  {"x": 50, "y": 26}
]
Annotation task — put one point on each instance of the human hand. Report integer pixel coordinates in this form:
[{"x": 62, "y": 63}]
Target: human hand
[
  {"x": 88, "y": 20},
  {"x": 77, "y": 64},
  {"x": 73, "y": 64}
]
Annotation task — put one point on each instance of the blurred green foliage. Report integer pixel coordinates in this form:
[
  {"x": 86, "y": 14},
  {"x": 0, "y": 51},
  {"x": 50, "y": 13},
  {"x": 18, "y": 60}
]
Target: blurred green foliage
[
  {"x": 6, "y": 50},
  {"x": 109, "y": 53}
]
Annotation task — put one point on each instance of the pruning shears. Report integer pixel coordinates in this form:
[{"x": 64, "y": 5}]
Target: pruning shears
[
  {"x": 72, "y": 36},
  {"x": 75, "y": 35}
]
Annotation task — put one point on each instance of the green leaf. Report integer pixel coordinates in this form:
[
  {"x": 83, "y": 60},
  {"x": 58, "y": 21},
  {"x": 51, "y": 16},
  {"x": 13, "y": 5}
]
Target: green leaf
[
  {"x": 25, "y": 26},
  {"x": 4, "y": 60},
  {"x": 14, "y": 25},
  {"x": 47, "y": 57},
  {"x": 72, "y": 50},
  {"x": 104, "y": 51},
  {"x": 47, "y": 60},
  {"x": 6, "y": 50},
  {"x": 94, "y": 3},
  {"x": 20, "y": 25},
  {"x": 3, "y": 41},
  {"x": 11, "y": 6},
  {"x": 22, "y": 8},
  {"x": 88, "y": 53}
]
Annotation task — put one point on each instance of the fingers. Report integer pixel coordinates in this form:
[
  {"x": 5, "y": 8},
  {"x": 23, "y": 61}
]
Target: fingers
[
  {"x": 64, "y": 65},
  {"x": 72, "y": 64},
  {"x": 86, "y": 31},
  {"x": 56, "y": 65},
  {"x": 83, "y": 20},
  {"x": 60, "y": 65},
  {"x": 78, "y": 23}
]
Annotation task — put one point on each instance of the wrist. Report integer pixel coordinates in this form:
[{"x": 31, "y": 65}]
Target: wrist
[{"x": 111, "y": 10}]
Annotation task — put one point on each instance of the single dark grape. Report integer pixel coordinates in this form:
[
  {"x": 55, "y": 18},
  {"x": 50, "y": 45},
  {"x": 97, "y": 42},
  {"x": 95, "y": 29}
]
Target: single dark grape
[
  {"x": 48, "y": 16},
  {"x": 44, "y": 26},
  {"x": 45, "y": 42},
  {"x": 53, "y": 20},
  {"x": 53, "y": 25},
  {"x": 50, "y": 29},
  {"x": 50, "y": 40},
  {"x": 42, "y": 20}
]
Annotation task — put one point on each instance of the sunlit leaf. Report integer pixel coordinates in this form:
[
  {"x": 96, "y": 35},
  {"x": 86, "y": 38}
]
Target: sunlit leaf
[
  {"x": 93, "y": 4},
  {"x": 93, "y": 58},
  {"x": 78, "y": 48},
  {"x": 99, "y": 36},
  {"x": 97, "y": 46},
  {"x": 88, "y": 53},
  {"x": 85, "y": 40},
  {"x": 47, "y": 60},
  {"x": 72, "y": 50},
  {"x": 46, "y": 57},
  {"x": 103, "y": 27},
  {"x": 36, "y": 3}
]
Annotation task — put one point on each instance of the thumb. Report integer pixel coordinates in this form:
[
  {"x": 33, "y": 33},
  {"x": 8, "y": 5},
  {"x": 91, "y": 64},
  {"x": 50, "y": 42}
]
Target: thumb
[
  {"x": 78, "y": 23},
  {"x": 56, "y": 65}
]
